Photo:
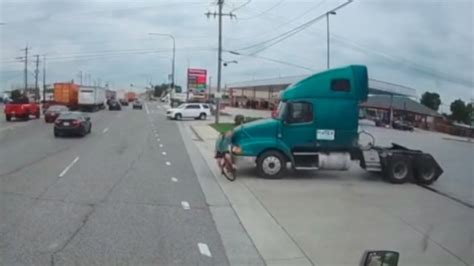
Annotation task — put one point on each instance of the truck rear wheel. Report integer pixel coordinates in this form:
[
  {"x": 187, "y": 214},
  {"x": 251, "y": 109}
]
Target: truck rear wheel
[
  {"x": 398, "y": 169},
  {"x": 37, "y": 115},
  {"x": 426, "y": 170},
  {"x": 271, "y": 164}
]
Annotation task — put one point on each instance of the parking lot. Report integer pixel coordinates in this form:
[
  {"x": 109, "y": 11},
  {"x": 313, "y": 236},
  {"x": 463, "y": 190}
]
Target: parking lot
[{"x": 317, "y": 216}]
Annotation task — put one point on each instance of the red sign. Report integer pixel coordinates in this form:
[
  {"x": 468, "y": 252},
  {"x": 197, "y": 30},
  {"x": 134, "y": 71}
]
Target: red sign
[{"x": 197, "y": 79}]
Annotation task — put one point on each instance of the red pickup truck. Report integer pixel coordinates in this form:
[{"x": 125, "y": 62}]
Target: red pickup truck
[{"x": 21, "y": 108}]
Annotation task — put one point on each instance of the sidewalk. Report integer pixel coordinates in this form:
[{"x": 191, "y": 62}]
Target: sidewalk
[{"x": 330, "y": 218}]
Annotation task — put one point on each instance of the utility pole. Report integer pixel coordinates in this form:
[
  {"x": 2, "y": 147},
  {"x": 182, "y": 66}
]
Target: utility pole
[
  {"x": 44, "y": 78},
  {"x": 36, "y": 78},
  {"x": 332, "y": 12},
  {"x": 26, "y": 68},
  {"x": 220, "y": 3},
  {"x": 80, "y": 77},
  {"x": 210, "y": 88}
]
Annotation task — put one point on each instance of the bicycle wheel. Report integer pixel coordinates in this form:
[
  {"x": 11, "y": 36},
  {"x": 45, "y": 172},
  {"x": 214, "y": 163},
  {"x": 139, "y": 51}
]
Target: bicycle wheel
[{"x": 229, "y": 172}]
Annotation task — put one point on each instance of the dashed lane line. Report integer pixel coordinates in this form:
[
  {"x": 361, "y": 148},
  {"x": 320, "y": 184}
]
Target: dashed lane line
[
  {"x": 174, "y": 179},
  {"x": 204, "y": 249},
  {"x": 69, "y": 167},
  {"x": 105, "y": 130},
  {"x": 185, "y": 205}
]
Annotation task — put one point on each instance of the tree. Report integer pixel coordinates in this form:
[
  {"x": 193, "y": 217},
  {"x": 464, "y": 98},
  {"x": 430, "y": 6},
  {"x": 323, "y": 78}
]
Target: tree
[
  {"x": 159, "y": 89},
  {"x": 460, "y": 112},
  {"x": 431, "y": 100}
]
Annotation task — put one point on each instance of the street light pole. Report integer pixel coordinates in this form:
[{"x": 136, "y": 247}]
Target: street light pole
[
  {"x": 174, "y": 54},
  {"x": 328, "y": 36}
]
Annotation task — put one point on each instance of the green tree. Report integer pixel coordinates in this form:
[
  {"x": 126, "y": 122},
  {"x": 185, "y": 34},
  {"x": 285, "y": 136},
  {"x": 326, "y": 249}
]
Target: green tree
[
  {"x": 159, "y": 89},
  {"x": 460, "y": 112},
  {"x": 431, "y": 100}
]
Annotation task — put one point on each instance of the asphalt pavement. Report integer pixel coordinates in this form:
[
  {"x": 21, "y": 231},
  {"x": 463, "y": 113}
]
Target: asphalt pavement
[{"x": 126, "y": 194}]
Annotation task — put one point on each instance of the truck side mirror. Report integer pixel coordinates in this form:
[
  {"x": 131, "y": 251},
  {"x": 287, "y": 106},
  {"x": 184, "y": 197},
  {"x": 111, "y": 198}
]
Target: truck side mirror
[{"x": 380, "y": 258}]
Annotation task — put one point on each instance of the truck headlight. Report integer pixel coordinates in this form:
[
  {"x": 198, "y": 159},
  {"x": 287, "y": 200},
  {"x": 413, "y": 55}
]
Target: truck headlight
[{"x": 237, "y": 150}]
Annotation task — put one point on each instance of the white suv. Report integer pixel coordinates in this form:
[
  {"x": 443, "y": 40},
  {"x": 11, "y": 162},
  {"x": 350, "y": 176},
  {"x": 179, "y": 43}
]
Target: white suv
[{"x": 192, "y": 110}]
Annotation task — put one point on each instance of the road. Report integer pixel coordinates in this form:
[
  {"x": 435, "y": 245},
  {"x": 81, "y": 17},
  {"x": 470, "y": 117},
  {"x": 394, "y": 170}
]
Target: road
[{"x": 124, "y": 195}]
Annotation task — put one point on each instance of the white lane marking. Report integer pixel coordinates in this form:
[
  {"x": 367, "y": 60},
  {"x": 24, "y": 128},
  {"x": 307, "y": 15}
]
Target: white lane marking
[
  {"x": 105, "y": 130},
  {"x": 204, "y": 249},
  {"x": 158, "y": 140},
  {"x": 174, "y": 179},
  {"x": 69, "y": 167},
  {"x": 185, "y": 205},
  {"x": 168, "y": 163},
  {"x": 161, "y": 145},
  {"x": 164, "y": 153},
  {"x": 146, "y": 109}
]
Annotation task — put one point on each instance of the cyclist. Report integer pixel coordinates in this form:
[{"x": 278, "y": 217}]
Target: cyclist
[{"x": 223, "y": 145}]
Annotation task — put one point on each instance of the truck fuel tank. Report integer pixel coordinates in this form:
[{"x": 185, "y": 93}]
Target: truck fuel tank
[{"x": 334, "y": 161}]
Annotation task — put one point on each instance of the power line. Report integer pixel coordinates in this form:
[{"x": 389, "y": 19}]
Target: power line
[
  {"x": 278, "y": 61},
  {"x": 279, "y": 19},
  {"x": 239, "y": 7},
  {"x": 281, "y": 37},
  {"x": 263, "y": 12},
  {"x": 394, "y": 58}
]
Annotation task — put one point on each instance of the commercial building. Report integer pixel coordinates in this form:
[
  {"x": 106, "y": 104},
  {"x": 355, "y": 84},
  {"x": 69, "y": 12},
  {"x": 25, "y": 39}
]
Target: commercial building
[{"x": 384, "y": 97}]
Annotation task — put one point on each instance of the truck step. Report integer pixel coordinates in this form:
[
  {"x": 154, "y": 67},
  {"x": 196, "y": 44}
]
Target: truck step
[
  {"x": 306, "y": 168},
  {"x": 373, "y": 169},
  {"x": 304, "y": 153}
]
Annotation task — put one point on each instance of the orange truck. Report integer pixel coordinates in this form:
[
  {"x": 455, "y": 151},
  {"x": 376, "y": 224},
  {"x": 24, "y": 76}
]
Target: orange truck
[
  {"x": 131, "y": 96},
  {"x": 66, "y": 93}
]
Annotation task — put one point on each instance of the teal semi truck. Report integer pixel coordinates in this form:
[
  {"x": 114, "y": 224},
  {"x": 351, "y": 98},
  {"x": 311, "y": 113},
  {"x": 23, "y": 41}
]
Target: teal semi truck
[{"x": 316, "y": 127}]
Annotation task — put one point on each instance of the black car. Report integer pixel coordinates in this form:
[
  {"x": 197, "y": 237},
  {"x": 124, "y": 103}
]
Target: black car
[
  {"x": 137, "y": 105},
  {"x": 114, "y": 105},
  {"x": 72, "y": 123},
  {"x": 123, "y": 102},
  {"x": 402, "y": 126}
]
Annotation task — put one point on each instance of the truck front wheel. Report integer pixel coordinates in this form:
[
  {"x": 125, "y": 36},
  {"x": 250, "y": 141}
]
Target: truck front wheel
[
  {"x": 8, "y": 118},
  {"x": 271, "y": 164},
  {"x": 398, "y": 169}
]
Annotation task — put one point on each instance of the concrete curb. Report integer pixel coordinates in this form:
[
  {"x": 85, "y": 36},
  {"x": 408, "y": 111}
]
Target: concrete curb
[
  {"x": 240, "y": 249},
  {"x": 271, "y": 240}
]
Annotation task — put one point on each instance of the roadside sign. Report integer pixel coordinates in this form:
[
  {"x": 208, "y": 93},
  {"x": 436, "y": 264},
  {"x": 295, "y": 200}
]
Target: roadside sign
[{"x": 197, "y": 79}]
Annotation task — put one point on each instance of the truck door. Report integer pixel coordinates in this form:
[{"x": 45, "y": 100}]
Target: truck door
[{"x": 298, "y": 128}]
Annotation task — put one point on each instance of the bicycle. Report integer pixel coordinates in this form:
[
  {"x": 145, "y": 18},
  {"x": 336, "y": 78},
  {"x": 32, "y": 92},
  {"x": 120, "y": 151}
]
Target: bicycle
[{"x": 228, "y": 169}]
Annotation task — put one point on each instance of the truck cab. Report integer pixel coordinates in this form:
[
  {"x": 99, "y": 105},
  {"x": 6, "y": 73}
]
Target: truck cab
[{"x": 316, "y": 127}]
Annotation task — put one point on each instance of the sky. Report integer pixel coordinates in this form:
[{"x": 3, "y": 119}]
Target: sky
[{"x": 425, "y": 44}]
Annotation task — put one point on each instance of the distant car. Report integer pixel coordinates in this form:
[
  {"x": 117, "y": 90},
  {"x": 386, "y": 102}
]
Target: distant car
[
  {"x": 137, "y": 105},
  {"x": 53, "y": 112},
  {"x": 402, "y": 126},
  {"x": 123, "y": 102},
  {"x": 114, "y": 105},
  {"x": 189, "y": 110},
  {"x": 72, "y": 123}
]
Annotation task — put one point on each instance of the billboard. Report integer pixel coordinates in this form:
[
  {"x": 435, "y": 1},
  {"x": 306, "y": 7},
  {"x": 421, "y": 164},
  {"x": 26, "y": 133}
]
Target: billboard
[{"x": 197, "y": 79}]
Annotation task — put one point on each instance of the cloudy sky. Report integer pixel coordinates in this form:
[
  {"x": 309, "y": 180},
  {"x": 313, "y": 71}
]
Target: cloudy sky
[{"x": 424, "y": 44}]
